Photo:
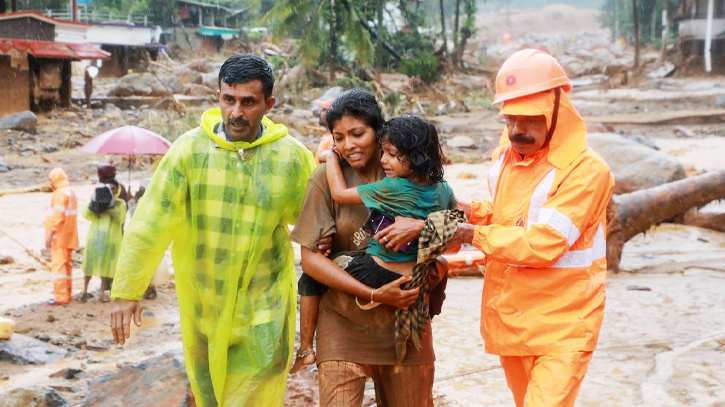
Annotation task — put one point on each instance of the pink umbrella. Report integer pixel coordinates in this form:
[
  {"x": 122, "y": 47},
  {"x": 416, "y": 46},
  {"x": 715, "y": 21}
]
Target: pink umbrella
[{"x": 130, "y": 140}]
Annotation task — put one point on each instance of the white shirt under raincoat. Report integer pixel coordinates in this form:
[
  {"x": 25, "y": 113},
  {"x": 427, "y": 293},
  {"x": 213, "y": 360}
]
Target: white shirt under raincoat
[{"x": 226, "y": 207}]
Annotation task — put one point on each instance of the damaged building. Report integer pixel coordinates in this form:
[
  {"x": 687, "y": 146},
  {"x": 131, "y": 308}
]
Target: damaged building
[
  {"x": 35, "y": 65},
  {"x": 701, "y": 26}
]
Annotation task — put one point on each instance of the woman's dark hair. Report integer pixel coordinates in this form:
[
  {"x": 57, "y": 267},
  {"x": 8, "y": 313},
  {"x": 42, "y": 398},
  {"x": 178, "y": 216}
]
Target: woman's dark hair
[
  {"x": 112, "y": 181},
  {"x": 416, "y": 140},
  {"x": 357, "y": 103},
  {"x": 244, "y": 68}
]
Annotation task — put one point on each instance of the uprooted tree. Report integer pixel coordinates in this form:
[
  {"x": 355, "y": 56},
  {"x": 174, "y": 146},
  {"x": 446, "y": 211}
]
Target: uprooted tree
[{"x": 631, "y": 214}]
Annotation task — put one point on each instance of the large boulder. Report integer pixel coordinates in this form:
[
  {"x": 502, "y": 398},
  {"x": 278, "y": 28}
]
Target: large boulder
[
  {"x": 140, "y": 84},
  {"x": 155, "y": 382},
  {"x": 173, "y": 84},
  {"x": 210, "y": 79},
  {"x": 200, "y": 65},
  {"x": 186, "y": 76},
  {"x": 634, "y": 165},
  {"x": 32, "y": 396},
  {"x": 24, "y": 350},
  {"x": 25, "y": 121},
  {"x": 193, "y": 89}
]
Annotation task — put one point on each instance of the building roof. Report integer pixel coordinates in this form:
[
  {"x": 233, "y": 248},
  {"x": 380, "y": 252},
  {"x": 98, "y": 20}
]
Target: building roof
[
  {"x": 41, "y": 17},
  {"x": 216, "y": 6},
  {"x": 52, "y": 49}
]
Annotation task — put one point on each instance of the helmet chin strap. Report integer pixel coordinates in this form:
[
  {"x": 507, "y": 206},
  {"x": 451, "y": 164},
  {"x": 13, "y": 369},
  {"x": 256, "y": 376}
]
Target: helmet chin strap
[{"x": 554, "y": 116}]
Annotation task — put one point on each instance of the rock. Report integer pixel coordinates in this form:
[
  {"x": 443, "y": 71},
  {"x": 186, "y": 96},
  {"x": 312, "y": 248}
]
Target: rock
[
  {"x": 461, "y": 142},
  {"x": 173, "y": 84},
  {"x": 682, "y": 131},
  {"x": 6, "y": 259},
  {"x": 32, "y": 396},
  {"x": 720, "y": 101},
  {"x": 646, "y": 141},
  {"x": 139, "y": 84},
  {"x": 3, "y": 166},
  {"x": 80, "y": 342},
  {"x": 69, "y": 115},
  {"x": 155, "y": 382},
  {"x": 193, "y": 89},
  {"x": 49, "y": 149},
  {"x": 50, "y": 318},
  {"x": 210, "y": 79},
  {"x": 68, "y": 373},
  {"x": 186, "y": 76},
  {"x": 634, "y": 165},
  {"x": 42, "y": 337},
  {"x": 200, "y": 65},
  {"x": 24, "y": 350},
  {"x": 25, "y": 121}
]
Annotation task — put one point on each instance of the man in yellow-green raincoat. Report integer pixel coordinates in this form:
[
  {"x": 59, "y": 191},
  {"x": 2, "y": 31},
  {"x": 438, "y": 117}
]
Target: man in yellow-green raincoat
[{"x": 225, "y": 194}]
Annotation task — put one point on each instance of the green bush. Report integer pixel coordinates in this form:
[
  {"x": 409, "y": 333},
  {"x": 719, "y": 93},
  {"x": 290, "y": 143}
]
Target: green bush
[{"x": 425, "y": 66}]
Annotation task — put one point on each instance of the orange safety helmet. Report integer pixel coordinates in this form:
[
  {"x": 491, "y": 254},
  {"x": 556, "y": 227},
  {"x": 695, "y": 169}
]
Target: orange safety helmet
[{"x": 527, "y": 72}]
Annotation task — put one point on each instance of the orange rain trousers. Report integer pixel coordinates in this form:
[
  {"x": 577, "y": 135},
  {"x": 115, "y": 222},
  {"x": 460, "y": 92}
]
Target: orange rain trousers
[
  {"x": 62, "y": 270},
  {"x": 549, "y": 380}
]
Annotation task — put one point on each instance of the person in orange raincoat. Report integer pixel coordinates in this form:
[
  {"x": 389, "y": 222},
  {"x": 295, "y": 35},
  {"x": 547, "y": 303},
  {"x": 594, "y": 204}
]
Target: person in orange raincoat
[
  {"x": 61, "y": 235},
  {"x": 543, "y": 235}
]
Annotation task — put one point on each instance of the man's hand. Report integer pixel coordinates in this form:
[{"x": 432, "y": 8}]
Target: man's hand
[
  {"x": 49, "y": 241},
  {"x": 392, "y": 295},
  {"x": 324, "y": 245},
  {"x": 400, "y": 233},
  {"x": 121, "y": 319}
]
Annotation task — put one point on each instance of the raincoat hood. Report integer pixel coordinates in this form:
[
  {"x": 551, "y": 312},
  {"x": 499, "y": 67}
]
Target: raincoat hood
[
  {"x": 58, "y": 178},
  {"x": 212, "y": 117},
  {"x": 570, "y": 136}
]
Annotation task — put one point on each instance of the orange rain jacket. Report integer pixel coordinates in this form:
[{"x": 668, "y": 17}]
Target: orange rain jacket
[
  {"x": 543, "y": 234},
  {"x": 62, "y": 215}
]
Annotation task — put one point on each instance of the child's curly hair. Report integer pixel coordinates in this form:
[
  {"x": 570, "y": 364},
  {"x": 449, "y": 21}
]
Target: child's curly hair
[{"x": 418, "y": 147}]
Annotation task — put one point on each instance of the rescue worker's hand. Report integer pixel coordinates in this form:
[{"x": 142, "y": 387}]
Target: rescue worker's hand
[
  {"x": 391, "y": 294},
  {"x": 49, "y": 241},
  {"x": 324, "y": 245},
  {"x": 121, "y": 314},
  {"x": 400, "y": 233}
]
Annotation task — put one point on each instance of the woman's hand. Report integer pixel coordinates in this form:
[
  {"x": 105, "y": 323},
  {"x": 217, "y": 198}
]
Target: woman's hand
[
  {"x": 400, "y": 233},
  {"x": 324, "y": 245},
  {"x": 391, "y": 294}
]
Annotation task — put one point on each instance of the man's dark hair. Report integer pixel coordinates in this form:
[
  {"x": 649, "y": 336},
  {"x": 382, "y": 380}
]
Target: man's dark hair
[
  {"x": 416, "y": 140},
  {"x": 357, "y": 103},
  {"x": 244, "y": 68}
]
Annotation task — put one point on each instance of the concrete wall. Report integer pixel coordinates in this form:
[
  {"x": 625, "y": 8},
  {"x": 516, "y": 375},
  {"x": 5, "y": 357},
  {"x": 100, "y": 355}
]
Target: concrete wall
[
  {"x": 14, "y": 83},
  {"x": 71, "y": 34},
  {"x": 123, "y": 35},
  {"x": 27, "y": 28}
]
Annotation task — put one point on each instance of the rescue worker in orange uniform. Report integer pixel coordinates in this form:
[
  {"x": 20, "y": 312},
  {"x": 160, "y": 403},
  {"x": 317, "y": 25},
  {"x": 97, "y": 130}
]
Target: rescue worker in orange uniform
[
  {"x": 61, "y": 235},
  {"x": 543, "y": 235}
]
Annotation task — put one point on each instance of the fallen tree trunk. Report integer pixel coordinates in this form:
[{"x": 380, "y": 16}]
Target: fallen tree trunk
[
  {"x": 25, "y": 190},
  {"x": 631, "y": 214}
]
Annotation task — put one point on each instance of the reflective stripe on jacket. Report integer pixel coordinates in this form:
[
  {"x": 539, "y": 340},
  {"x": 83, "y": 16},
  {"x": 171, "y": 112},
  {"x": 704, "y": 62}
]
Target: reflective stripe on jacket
[{"x": 543, "y": 234}]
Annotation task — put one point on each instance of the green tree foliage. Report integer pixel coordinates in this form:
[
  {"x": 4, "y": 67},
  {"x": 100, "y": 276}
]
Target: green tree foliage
[
  {"x": 310, "y": 21},
  {"x": 618, "y": 15}
]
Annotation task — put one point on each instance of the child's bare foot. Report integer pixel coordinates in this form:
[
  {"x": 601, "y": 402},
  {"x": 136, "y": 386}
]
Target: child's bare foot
[{"x": 303, "y": 358}]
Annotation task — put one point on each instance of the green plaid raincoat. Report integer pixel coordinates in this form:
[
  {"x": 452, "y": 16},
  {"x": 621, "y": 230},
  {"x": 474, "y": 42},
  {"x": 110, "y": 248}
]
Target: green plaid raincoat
[{"x": 226, "y": 207}]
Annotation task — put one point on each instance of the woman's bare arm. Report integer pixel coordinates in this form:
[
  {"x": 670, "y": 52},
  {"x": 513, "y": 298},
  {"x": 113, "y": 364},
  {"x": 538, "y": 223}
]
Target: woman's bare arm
[
  {"x": 338, "y": 187},
  {"x": 328, "y": 273}
]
